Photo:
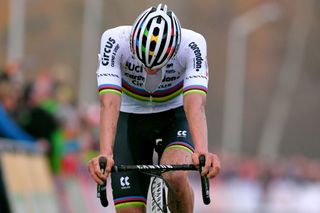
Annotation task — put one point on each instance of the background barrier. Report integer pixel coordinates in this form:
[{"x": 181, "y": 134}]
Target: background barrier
[{"x": 28, "y": 184}]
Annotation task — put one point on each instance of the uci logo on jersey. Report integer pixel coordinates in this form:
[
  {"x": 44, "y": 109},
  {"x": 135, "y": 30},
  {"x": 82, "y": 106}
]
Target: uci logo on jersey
[
  {"x": 107, "y": 50},
  {"x": 133, "y": 67}
]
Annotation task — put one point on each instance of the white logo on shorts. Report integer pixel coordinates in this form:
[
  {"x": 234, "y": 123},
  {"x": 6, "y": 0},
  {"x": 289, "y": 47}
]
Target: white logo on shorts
[
  {"x": 124, "y": 182},
  {"x": 182, "y": 133}
]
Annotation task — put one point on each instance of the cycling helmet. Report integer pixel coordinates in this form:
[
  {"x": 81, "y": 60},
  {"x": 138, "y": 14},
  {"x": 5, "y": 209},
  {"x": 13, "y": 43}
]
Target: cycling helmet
[{"x": 155, "y": 36}]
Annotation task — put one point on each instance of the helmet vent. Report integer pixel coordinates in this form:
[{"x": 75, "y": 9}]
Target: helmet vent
[
  {"x": 152, "y": 45},
  {"x": 156, "y": 31},
  {"x": 159, "y": 20}
]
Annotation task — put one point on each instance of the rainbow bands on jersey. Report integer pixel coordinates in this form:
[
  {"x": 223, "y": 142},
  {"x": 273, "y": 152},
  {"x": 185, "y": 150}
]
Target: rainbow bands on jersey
[
  {"x": 105, "y": 88},
  {"x": 157, "y": 96},
  {"x": 195, "y": 89}
]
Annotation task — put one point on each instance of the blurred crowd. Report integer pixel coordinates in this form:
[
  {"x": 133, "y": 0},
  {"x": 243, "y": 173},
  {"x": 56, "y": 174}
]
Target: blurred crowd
[
  {"x": 44, "y": 111},
  {"x": 290, "y": 184}
]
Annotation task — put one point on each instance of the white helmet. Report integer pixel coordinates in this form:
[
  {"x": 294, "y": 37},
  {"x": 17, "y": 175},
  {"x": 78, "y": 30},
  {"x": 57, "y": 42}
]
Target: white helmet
[{"x": 155, "y": 36}]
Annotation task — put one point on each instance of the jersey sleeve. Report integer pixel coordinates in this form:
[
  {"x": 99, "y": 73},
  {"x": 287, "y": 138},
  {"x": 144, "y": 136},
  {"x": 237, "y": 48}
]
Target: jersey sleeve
[
  {"x": 197, "y": 73},
  {"x": 109, "y": 72}
]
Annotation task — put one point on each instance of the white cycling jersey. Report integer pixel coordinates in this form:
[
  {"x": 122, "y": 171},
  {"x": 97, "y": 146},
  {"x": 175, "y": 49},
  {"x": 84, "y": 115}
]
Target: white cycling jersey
[{"x": 121, "y": 73}]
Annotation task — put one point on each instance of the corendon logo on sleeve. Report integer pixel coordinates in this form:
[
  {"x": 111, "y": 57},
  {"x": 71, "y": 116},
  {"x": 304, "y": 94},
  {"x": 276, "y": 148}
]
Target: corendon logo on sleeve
[
  {"x": 198, "y": 57},
  {"x": 105, "y": 59}
]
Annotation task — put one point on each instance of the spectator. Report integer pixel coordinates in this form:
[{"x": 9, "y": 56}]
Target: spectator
[
  {"x": 38, "y": 118},
  {"x": 8, "y": 102}
]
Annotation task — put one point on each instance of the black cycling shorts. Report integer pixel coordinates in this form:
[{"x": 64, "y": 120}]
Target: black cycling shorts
[{"x": 135, "y": 143}]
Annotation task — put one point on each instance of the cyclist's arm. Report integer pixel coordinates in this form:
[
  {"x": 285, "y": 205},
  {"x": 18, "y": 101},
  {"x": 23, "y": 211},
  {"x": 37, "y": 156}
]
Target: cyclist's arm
[
  {"x": 195, "y": 88},
  {"x": 109, "y": 86},
  {"x": 194, "y": 91},
  {"x": 194, "y": 106},
  {"x": 109, "y": 113}
]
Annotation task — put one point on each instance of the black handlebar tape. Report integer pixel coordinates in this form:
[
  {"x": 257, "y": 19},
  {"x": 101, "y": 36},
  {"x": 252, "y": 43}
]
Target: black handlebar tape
[
  {"x": 204, "y": 182},
  {"x": 102, "y": 188}
]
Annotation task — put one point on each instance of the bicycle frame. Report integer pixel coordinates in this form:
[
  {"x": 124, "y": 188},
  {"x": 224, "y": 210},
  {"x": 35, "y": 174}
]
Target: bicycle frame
[
  {"x": 158, "y": 194},
  {"x": 155, "y": 170}
]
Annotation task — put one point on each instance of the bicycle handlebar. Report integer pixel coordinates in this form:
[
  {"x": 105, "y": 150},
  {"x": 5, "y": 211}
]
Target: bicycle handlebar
[
  {"x": 152, "y": 168},
  {"x": 102, "y": 188},
  {"x": 204, "y": 182}
]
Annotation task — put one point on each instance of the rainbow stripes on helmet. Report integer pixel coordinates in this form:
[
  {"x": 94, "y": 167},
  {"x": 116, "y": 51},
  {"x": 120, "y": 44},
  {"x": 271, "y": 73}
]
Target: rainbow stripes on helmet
[{"x": 155, "y": 36}]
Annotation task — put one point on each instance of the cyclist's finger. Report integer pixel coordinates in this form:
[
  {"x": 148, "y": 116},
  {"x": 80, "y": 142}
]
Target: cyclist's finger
[
  {"x": 96, "y": 178},
  {"x": 97, "y": 169},
  {"x": 195, "y": 159},
  {"x": 94, "y": 170},
  {"x": 109, "y": 165},
  {"x": 207, "y": 165},
  {"x": 215, "y": 167}
]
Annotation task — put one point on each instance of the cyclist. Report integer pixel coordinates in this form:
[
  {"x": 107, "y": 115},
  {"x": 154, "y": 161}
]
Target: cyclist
[{"x": 152, "y": 79}]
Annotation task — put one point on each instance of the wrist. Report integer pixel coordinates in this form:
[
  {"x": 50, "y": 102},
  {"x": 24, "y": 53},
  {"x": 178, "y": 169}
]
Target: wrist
[
  {"x": 200, "y": 150},
  {"x": 106, "y": 151}
]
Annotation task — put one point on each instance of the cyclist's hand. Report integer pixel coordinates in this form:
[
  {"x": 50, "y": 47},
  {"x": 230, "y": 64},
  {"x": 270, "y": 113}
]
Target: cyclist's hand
[
  {"x": 94, "y": 169},
  {"x": 212, "y": 164}
]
